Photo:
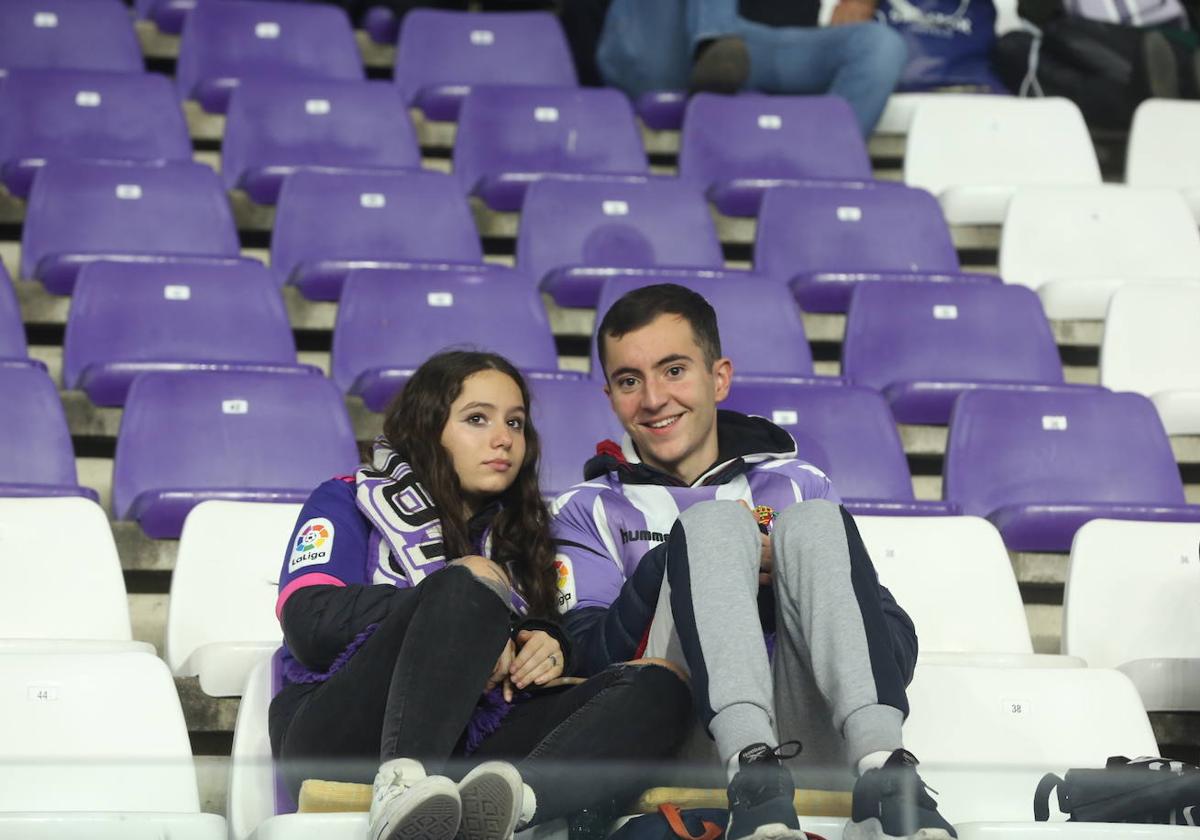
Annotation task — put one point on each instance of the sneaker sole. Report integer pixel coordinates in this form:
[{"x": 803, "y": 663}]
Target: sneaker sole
[
  {"x": 489, "y": 804},
  {"x": 872, "y": 829},
  {"x": 433, "y": 818},
  {"x": 776, "y": 831}
]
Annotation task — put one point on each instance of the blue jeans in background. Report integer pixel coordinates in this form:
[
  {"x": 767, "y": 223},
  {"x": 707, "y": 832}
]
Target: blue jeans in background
[{"x": 648, "y": 45}]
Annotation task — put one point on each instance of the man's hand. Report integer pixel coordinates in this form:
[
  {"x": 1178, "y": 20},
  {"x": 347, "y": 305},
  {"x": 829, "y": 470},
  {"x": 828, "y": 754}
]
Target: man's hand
[
  {"x": 500, "y": 672},
  {"x": 766, "y": 561},
  {"x": 539, "y": 660},
  {"x": 852, "y": 11}
]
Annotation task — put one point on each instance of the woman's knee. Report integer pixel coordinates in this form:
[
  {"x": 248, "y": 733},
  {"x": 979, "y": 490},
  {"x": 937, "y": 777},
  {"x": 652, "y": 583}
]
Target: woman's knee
[{"x": 650, "y": 663}]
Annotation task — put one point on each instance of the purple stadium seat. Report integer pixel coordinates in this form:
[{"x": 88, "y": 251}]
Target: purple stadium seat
[
  {"x": 566, "y": 225},
  {"x": 825, "y": 238},
  {"x": 761, "y": 330},
  {"x": 129, "y": 319},
  {"x": 1039, "y": 464},
  {"x": 571, "y": 417},
  {"x": 736, "y": 147},
  {"x": 327, "y": 224},
  {"x": 441, "y": 54},
  {"x": 12, "y": 330},
  {"x": 52, "y": 114},
  {"x": 276, "y": 126},
  {"x": 848, "y": 433},
  {"x": 391, "y": 319},
  {"x": 511, "y": 136},
  {"x": 662, "y": 110},
  {"x": 80, "y": 212},
  {"x": 37, "y": 459},
  {"x": 924, "y": 344},
  {"x": 189, "y": 436},
  {"x": 226, "y": 41},
  {"x": 68, "y": 34}
]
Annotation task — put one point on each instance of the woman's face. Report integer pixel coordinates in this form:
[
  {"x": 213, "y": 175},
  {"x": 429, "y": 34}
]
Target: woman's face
[{"x": 485, "y": 436}]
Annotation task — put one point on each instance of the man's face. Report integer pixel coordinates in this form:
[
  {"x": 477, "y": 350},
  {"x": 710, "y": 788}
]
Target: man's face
[{"x": 666, "y": 396}]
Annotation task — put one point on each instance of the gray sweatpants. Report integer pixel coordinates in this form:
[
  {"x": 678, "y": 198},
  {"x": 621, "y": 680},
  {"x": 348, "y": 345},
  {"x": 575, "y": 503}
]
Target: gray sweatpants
[{"x": 841, "y": 660}]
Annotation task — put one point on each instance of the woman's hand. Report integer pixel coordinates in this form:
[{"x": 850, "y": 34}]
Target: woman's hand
[
  {"x": 539, "y": 659},
  {"x": 500, "y": 674}
]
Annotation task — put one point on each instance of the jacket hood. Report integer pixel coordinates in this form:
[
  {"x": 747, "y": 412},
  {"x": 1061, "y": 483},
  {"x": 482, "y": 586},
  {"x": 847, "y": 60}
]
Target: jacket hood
[{"x": 742, "y": 441}]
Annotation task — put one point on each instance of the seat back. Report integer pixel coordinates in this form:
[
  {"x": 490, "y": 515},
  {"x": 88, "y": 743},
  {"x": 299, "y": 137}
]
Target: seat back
[
  {"x": 951, "y": 332},
  {"x": 81, "y": 207},
  {"x": 51, "y": 114},
  {"x": 857, "y": 444},
  {"x": 371, "y": 216},
  {"x": 109, "y": 722},
  {"x": 425, "y": 310},
  {"x": 609, "y": 223},
  {"x": 759, "y": 322},
  {"x": 251, "y": 769},
  {"x": 185, "y": 433},
  {"x": 12, "y": 330},
  {"x": 531, "y": 129},
  {"x": 33, "y": 428},
  {"x": 226, "y": 577},
  {"x": 184, "y": 313},
  {"x": 69, "y": 34},
  {"x": 1109, "y": 233},
  {"x": 1057, "y": 446},
  {"x": 61, "y": 570},
  {"x": 446, "y": 48},
  {"x": 1130, "y": 591},
  {"x": 225, "y": 42},
  {"x": 998, "y": 141},
  {"x": 849, "y": 228},
  {"x": 1162, "y": 139},
  {"x": 754, "y": 136},
  {"x": 1150, "y": 339},
  {"x": 571, "y": 416},
  {"x": 953, "y": 577},
  {"x": 315, "y": 122}
]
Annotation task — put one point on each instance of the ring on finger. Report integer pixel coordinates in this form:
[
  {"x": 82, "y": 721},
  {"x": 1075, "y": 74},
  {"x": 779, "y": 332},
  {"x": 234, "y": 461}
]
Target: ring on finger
[{"x": 554, "y": 660}]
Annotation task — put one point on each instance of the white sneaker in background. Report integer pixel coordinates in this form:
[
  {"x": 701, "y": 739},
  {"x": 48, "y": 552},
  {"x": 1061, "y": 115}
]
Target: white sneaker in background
[
  {"x": 408, "y": 805},
  {"x": 491, "y": 797}
]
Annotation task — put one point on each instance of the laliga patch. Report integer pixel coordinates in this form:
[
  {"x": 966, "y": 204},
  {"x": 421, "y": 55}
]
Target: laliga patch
[
  {"x": 313, "y": 546},
  {"x": 566, "y": 583}
]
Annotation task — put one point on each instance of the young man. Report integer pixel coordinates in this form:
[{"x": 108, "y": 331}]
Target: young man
[{"x": 667, "y": 544}]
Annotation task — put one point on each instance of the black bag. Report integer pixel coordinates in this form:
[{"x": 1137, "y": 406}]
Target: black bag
[{"x": 1145, "y": 790}]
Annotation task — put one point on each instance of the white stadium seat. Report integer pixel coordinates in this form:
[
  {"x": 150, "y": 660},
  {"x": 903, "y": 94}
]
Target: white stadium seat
[
  {"x": 1151, "y": 344},
  {"x": 1076, "y": 246},
  {"x": 1072, "y": 831},
  {"x": 1162, "y": 148},
  {"x": 221, "y": 619},
  {"x": 251, "y": 798},
  {"x": 87, "y": 736},
  {"x": 985, "y": 736},
  {"x": 63, "y": 587},
  {"x": 1130, "y": 603},
  {"x": 973, "y": 152},
  {"x": 953, "y": 576}
]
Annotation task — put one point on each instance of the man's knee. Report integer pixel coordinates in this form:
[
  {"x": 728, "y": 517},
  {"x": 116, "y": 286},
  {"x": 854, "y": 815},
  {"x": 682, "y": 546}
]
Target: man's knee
[
  {"x": 723, "y": 529},
  {"x": 881, "y": 48},
  {"x": 802, "y": 524}
]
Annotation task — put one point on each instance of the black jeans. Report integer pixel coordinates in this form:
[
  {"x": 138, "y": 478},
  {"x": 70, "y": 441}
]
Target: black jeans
[{"x": 411, "y": 689}]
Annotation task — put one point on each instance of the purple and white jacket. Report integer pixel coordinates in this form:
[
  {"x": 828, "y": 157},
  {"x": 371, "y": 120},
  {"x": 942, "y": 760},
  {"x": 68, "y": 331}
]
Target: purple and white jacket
[{"x": 611, "y": 529}]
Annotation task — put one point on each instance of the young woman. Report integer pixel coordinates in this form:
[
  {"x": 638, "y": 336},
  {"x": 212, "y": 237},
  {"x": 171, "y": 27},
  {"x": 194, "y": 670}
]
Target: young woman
[{"x": 418, "y": 601}]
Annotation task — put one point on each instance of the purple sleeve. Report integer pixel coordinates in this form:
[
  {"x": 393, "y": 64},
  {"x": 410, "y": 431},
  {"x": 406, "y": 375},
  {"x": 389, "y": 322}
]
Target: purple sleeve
[
  {"x": 589, "y": 575},
  {"x": 328, "y": 545}
]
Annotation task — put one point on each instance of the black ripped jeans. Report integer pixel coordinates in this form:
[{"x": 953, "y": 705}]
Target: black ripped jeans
[{"x": 411, "y": 689}]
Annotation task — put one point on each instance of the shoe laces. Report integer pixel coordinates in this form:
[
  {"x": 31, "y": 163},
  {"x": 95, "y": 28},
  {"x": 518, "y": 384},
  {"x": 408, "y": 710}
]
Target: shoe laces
[{"x": 906, "y": 762}]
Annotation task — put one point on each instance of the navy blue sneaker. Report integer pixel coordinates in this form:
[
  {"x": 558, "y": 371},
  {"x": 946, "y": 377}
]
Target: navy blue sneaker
[
  {"x": 893, "y": 803},
  {"x": 761, "y": 795}
]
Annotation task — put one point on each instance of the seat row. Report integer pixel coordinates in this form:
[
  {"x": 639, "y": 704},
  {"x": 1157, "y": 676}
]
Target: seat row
[
  {"x": 1038, "y": 462},
  {"x": 1073, "y": 245},
  {"x": 920, "y": 344}
]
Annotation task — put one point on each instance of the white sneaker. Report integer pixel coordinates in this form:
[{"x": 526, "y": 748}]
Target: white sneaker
[
  {"x": 491, "y": 797},
  {"x": 407, "y": 804}
]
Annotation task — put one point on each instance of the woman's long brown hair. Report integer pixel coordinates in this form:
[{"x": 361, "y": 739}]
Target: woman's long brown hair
[{"x": 521, "y": 530}]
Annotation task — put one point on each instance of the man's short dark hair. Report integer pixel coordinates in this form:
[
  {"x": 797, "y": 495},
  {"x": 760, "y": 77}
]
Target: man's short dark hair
[{"x": 636, "y": 309}]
